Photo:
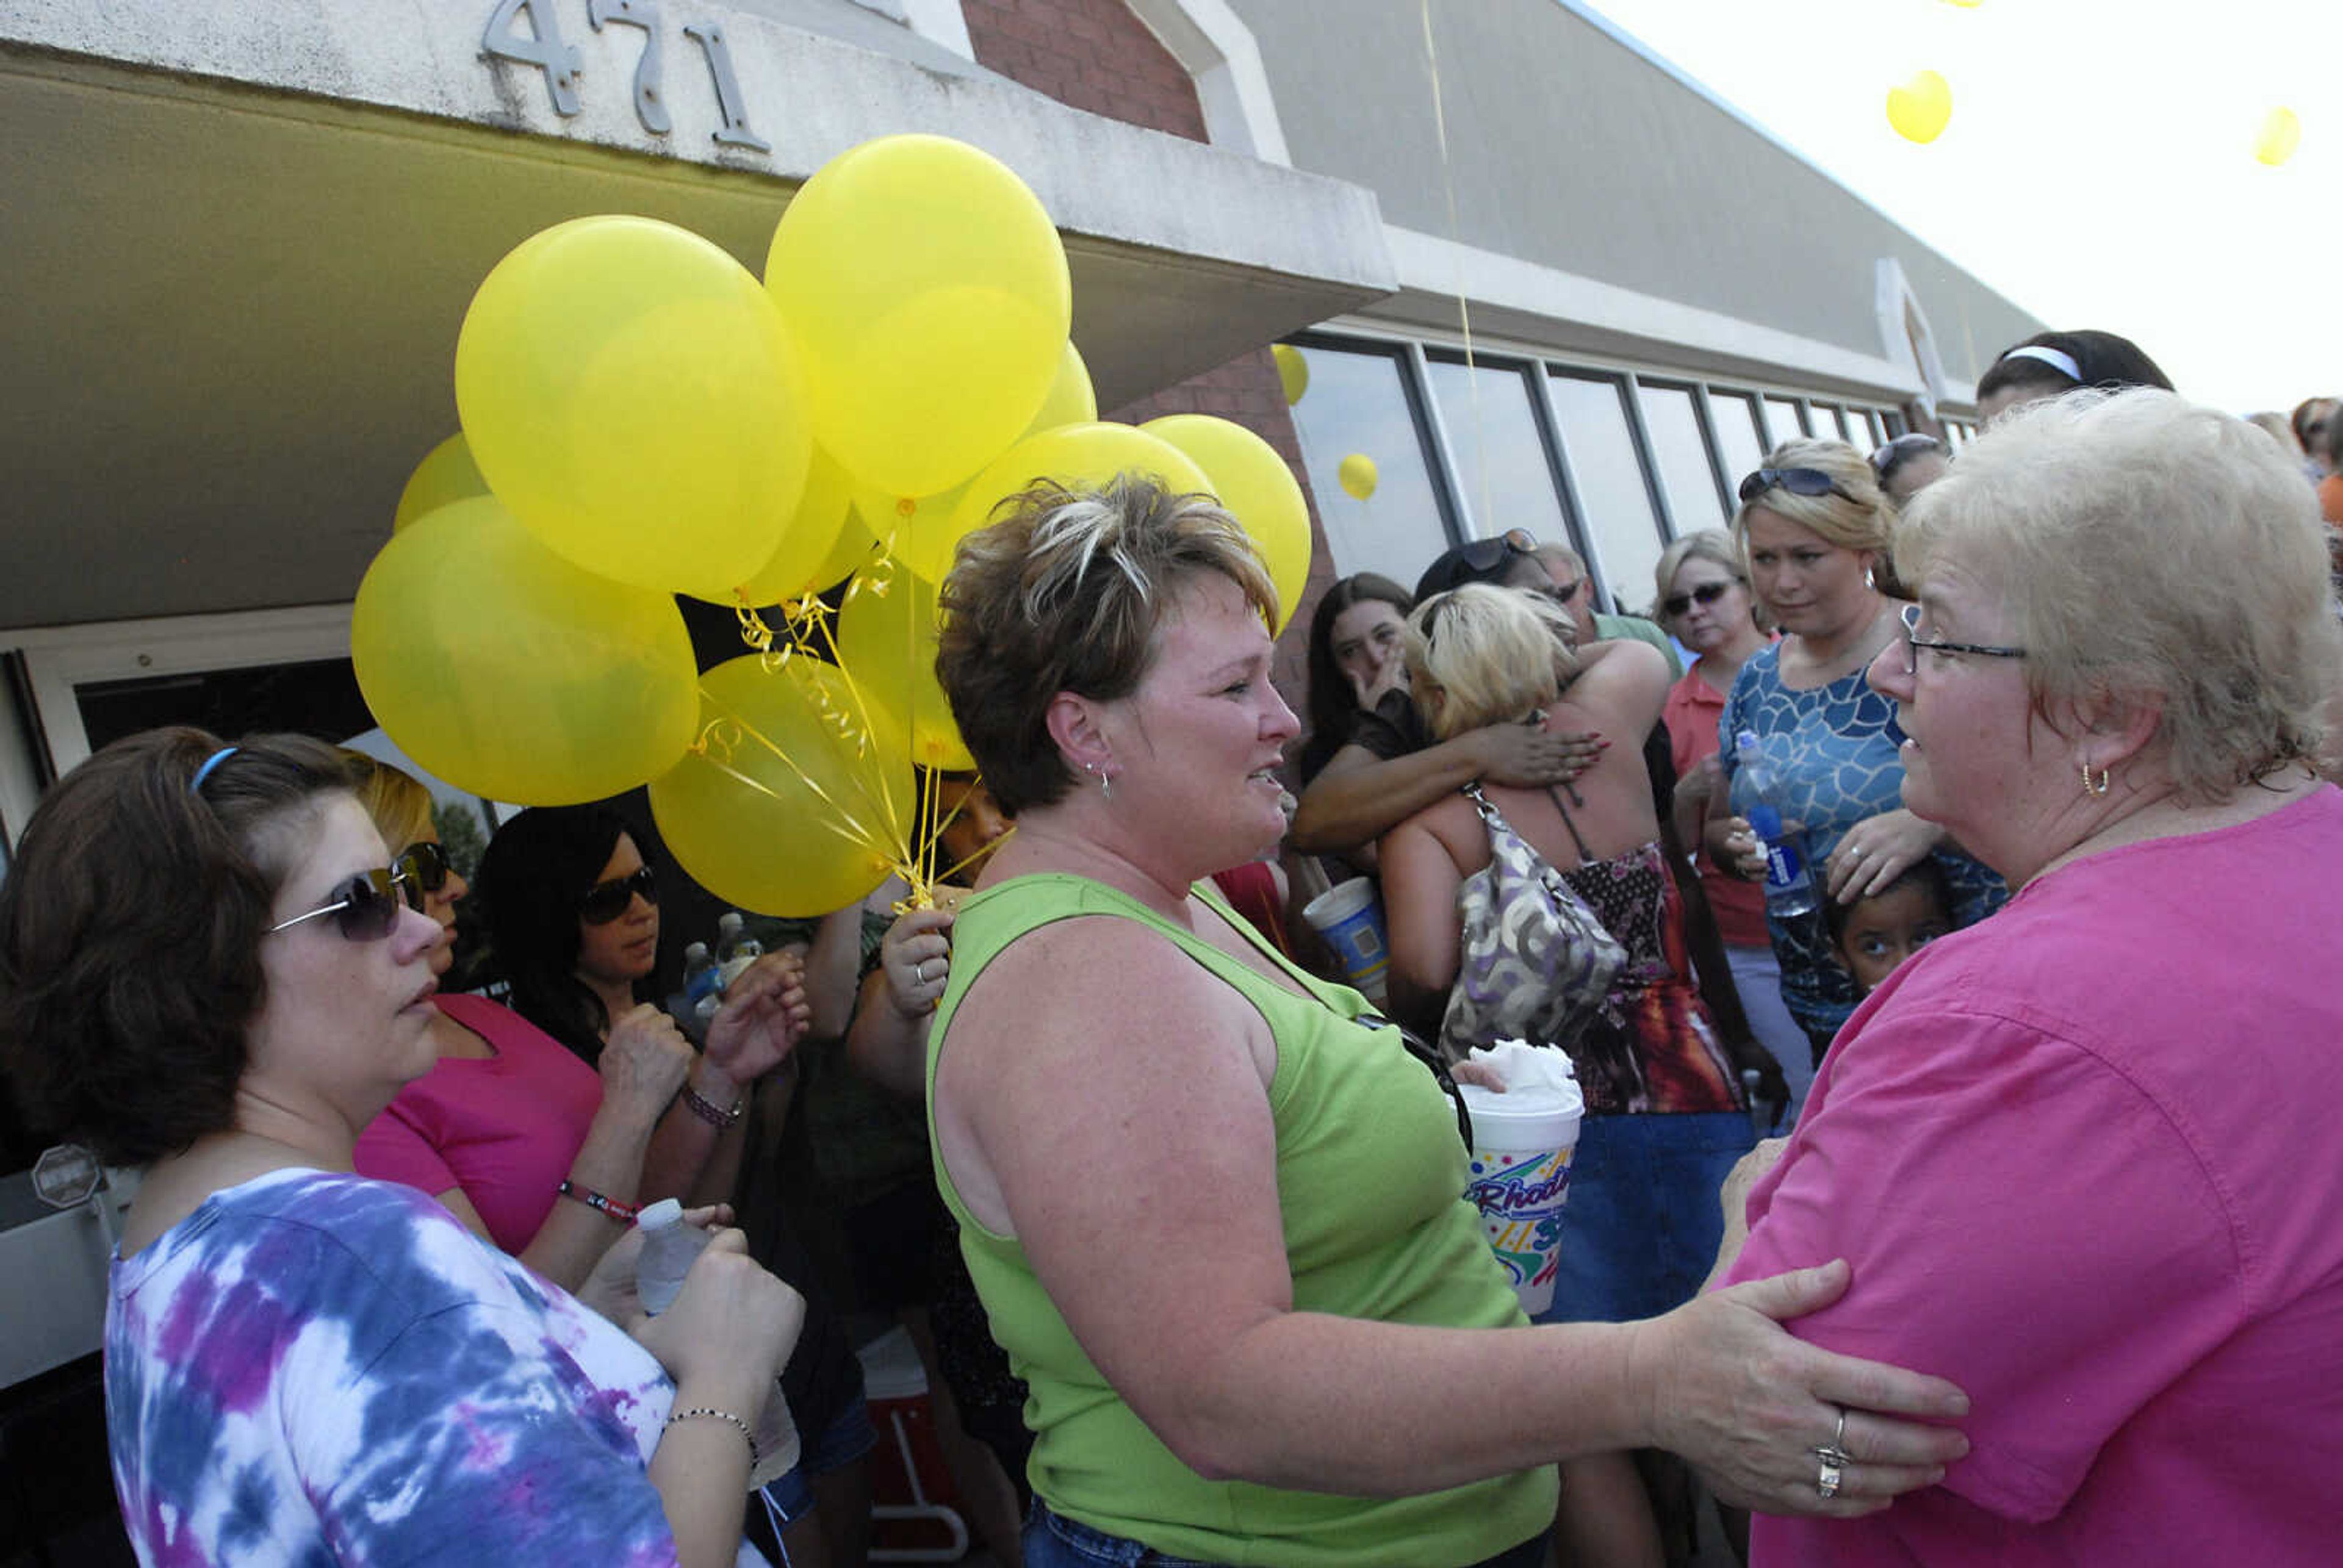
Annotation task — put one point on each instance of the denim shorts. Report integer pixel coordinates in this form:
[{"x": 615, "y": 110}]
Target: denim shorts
[
  {"x": 839, "y": 1444},
  {"x": 1642, "y": 1225},
  {"x": 1053, "y": 1541}
]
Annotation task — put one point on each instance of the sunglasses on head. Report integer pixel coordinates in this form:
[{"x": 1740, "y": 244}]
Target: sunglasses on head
[
  {"x": 1888, "y": 456},
  {"x": 1480, "y": 555},
  {"x": 606, "y": 901},
  {"x": 1797, "y": 481},
  {"x": 366, "y": 907},
  {"x": 1706, "y": 593},
  {"x": 424, "y": 865}
]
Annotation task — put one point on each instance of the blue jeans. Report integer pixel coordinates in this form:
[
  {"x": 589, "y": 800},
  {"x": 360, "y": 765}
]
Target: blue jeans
[
  {"x": 1643, "y": 1226},
  {"x": 1052, "y": 1540}
]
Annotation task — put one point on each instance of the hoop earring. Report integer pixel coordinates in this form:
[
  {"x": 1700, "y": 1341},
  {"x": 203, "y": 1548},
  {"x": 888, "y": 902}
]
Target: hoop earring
[
  {"x": 1105, "y": 782},
  {"x": 2095, "y": 786}
]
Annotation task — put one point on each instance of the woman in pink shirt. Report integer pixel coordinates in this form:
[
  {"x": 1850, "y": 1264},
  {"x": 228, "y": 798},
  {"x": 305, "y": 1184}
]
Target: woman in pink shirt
[{"x": 2081, "y": 1154}]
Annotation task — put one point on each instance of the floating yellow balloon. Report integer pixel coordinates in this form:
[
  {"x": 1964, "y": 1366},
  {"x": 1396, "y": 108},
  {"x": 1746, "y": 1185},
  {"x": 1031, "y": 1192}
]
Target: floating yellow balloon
[
  {"x": 445, "y": 474},
  {"x": 1258, "y": 489},
  {"x": 1358, "y": 475},
  {"x": 808, "y": 539},
  {"x": 1079, "y": 457},
  {"x": 887, "y": 642},
  {"x": 918, "y": 528},
  {"x": 2281, "y": 134},
  {"x": 630, "y": 393},
  {"x": 929, "y": 292},
  {"x": 513, "y": 673},
  {"x": 1292, "y": 371},
  {"x": 855, "y": 548},
  {"x": 789, "y": 804},
  {"x": 1920, "y": 108}
]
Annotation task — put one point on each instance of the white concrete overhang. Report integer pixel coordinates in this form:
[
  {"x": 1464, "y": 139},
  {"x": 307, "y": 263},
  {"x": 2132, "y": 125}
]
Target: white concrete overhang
[{"x": 241, "y": 237}]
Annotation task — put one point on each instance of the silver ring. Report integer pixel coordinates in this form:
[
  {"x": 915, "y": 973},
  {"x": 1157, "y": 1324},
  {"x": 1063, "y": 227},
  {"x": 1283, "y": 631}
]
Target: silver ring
[
  {"x": 1832, "y": 1457},
  {"x": 922, "y": 972},
  {"x": 1826, "y": 1481}
]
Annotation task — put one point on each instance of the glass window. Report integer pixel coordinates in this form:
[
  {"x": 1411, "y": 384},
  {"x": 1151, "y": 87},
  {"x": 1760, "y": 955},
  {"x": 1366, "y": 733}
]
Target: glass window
[
  {"x": 1830, "y": 423},
  {"x": 1740, "y": 444},
  {"x": 1896, "y": 425},
  {"x": 1358, "y": 403},
  {"x": 1682, "y": 458},
  {"x": 1501, "y": 467},
  {"x": 1784, "y": 421},
  {"x": 1869, "y": 421},
  {"x": 1599, "y": 445}
]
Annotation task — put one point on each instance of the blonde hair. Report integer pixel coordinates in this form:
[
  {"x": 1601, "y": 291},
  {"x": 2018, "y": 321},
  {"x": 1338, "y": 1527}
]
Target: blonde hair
[
  {"x": 1063, "y": 593},
  {"x": 1479, "y": 655},
  {"x": 400, "y": 807},
  {"x": 1718, "y": 548},
  {"x": 2144, "y": 546},
  {"x": 1859, "y": 517}
]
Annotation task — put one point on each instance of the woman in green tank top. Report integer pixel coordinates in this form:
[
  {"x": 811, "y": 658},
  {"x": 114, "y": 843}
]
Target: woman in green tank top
[{"x": 1216, "y": 1216}]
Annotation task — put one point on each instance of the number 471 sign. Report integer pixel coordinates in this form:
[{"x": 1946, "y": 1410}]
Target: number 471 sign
[{"x": 544, "y": 47}]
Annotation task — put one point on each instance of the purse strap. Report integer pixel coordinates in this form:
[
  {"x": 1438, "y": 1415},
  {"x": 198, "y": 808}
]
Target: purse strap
[{"x": 1492, "y": 820}]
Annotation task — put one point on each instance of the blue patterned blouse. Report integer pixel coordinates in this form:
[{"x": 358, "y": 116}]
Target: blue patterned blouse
[
  {"x": 317, "y": 1368},
  {"x": 1833, "y": 751}
]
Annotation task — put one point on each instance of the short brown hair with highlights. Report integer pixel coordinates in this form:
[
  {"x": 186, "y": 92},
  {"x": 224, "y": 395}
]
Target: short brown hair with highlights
[
  {"x": 1063, "y": 592},
  {"x": 130, "y": 932}
]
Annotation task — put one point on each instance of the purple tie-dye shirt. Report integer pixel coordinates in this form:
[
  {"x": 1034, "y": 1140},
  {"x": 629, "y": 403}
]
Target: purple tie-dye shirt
[{"x": 317, "y": 1369}]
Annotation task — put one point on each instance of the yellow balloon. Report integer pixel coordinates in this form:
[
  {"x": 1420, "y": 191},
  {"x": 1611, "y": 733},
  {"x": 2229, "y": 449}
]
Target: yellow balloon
[
  {"x": 1079, "y": 457},
  {"x": 631, "y": 394},
  {"x": 807, "y": 539},
  {"x": 928, "y": 291},
  {"x": 1259, "y": 490},
  {"x": 915, "y": 529},
  {"x": 1358, "y": 475},
  {"x": 2281, "y": 133},
  {"x": 445, "y": 474},
  {"x": 794, "y": 806},
  {"x": 855, "y": 548},
  {"x": 1920, "y": 108},
  {"x": 887, "y": 643},
  {"x": 1292, "y": 371},
  {"x": 512, "y": 673}
]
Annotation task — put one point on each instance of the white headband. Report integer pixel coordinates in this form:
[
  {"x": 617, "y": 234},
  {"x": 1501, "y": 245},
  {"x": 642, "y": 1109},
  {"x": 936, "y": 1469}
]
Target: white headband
[{"x": 2061, "y": 362}]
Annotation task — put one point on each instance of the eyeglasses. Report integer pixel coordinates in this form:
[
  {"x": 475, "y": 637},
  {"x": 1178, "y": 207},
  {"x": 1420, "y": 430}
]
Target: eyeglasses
[
  {"x": 1797, "y": 481},
  {"x": 424, "y": 864},
  {"x": 1480, "y": 554},
  {"x": 364, "y": 908},
  {"x": 1706, "y": 593},
  {"x": 606, "y": 901},
  {"x": 1913, "y": 643}
]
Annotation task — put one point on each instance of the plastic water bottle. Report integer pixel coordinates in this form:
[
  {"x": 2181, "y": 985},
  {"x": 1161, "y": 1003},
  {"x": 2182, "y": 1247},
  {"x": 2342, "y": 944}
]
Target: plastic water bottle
[
  {"x": 1789, "y": 885},
  {"x": 700, "y": 977},
  {"x": 670, "y": 1246},
  {"x": 736, "y": 949}
]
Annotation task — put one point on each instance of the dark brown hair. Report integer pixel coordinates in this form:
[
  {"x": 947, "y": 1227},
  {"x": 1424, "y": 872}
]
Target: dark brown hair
[{"x": 130, "y": 930}]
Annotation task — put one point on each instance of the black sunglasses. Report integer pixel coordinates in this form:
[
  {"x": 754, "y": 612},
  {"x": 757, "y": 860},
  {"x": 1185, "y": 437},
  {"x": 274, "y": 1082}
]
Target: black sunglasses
[
  {"x": 606, "y": 901},
  {"x": 1480, "y": 555},
  {"x": 1706, "y": 593},
  {"x": 1797, "y": 481},
  {"x": 424, "y": 864},
  {"x": 364, "y": 908}
]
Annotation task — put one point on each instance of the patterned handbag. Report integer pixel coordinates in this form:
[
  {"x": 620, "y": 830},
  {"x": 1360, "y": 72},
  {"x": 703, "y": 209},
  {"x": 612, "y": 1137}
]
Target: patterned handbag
[{"x": 1534, "y": 963}]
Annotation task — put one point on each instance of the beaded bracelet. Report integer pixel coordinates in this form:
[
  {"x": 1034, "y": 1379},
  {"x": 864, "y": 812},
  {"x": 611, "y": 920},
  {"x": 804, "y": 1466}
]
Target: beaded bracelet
[
  {"x": 704, "y": 1412},
  {"x": 700, "y": 1105},
  {"x": 624, "y": 1213}
]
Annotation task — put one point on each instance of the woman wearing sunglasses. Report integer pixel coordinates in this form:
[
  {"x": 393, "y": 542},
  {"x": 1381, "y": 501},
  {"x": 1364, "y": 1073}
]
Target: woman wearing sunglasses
[
  {"x": 207, "y": 970},
  {"x": 508, "y": 1124},
  {"x": 1813, "y": 527},
  {"x": 1704, "y": 601}
]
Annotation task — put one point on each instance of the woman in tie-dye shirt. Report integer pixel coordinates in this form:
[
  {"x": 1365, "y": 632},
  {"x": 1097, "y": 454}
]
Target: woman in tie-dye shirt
[{"x": 206, "y": 970}]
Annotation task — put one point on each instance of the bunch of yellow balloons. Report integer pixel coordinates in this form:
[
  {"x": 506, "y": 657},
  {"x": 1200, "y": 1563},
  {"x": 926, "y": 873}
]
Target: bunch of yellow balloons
[{"x": 642, "y": 417}]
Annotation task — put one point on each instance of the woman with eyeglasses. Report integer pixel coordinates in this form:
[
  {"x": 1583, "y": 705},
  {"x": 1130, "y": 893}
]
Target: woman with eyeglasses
[
  {"x": 1704, "y": 601},
  {"x": 511, "y": 1123},
  {"x": 208, "y": 971},
  {"x": 1814, "y": 528},
  {"x": 2083, "y": 1155}
]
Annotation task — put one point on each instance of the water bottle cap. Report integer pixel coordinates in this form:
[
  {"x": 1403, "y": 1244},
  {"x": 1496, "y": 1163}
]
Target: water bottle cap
[
  {"x": 663, "y": 1215},
  {"x": 694, "y": 951},
  {"x": 1745, "y": 740}
]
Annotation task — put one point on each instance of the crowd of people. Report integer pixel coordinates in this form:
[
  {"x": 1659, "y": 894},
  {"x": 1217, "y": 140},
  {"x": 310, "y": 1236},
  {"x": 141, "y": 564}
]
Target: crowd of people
[{"x": 1961, "y": 1196}]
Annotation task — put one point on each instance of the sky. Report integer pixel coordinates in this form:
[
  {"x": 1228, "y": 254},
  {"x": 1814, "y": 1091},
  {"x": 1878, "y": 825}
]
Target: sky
[{"x": 2098, "y": 168}]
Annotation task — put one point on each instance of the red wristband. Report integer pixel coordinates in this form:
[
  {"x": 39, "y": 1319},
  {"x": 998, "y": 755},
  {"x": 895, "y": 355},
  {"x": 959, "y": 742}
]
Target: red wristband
[{"x": 624, "y": 1213}]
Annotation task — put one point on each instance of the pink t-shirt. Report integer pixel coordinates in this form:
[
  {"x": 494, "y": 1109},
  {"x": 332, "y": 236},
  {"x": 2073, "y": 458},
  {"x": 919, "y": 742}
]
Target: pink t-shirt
[
  {"x": 2084, "y": 1159},
  {"x": 1692, "y": 711},
  {"x": 504, "y": 1129}
]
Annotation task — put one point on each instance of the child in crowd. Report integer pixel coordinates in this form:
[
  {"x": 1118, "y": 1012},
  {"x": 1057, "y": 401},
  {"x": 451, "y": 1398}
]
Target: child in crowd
[{"x": 1872, "y": 936}]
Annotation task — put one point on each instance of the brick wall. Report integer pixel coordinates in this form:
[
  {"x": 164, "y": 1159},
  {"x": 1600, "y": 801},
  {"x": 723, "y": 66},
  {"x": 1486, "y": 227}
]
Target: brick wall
[{"x": 1096, "y": 56}]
